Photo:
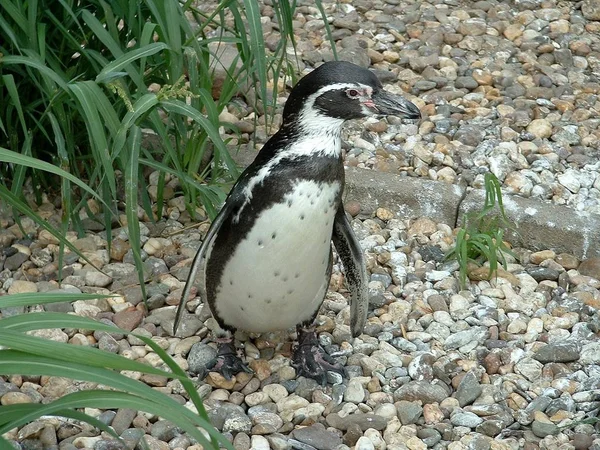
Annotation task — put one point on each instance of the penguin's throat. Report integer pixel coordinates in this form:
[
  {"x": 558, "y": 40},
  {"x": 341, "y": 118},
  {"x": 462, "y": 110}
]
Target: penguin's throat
[{"x": 315, "y": 144}]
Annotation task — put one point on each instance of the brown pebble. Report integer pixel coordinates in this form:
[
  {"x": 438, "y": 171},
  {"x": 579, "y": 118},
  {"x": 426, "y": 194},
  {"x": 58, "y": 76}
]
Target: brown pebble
[
  {"x": 142, "y": 422},
  {"x": 118, "y": 249},
  {"x": 538, "y": 257},
  {"x": 48, "y": 436},
  {"x": 250, "y": 383},
  {"x": 492, "y": 363},
  {"x": 457, "y": 379},
  {"x": 218, "y": 381},
  {"x": 352, "y": 207},
  {"x": 352, "y": 435},
  {"x": 154, "y": 380},
  {"x": 374, "y": 385},
  {"x": 432, "y": 413},
  {"x": 582, "y": 441},
  {"x": 378, "y": 127},
  {"x": 423, "y": 226},
  {"x": 437, "y": 303},
  {"x": 567, "y": 261},
  {"x": 590, "y": 268},
  {"x": 384, "y": 214},
  {"x": 261, "y": 368},
  {"x": 128, "y": 319},
  {"x": 13, "y": 398},
  {"x": 483, "y": 273}
]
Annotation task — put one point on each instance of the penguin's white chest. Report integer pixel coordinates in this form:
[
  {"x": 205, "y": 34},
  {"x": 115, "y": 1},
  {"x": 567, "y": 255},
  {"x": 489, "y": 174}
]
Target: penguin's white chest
[{"x": 276, "y": 277}]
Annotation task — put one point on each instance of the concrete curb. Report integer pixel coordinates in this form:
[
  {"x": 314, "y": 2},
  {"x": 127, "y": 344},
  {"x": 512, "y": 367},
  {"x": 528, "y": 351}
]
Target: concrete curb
[
  {"x": 539, "y": 225},
  {"x": 406, "y": 197},
  {"x": 542, "y": 226}
]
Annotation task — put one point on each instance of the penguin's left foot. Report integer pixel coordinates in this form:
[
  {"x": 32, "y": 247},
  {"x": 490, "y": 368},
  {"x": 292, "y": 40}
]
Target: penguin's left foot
[
  {"x": 310, "y": 360},
  {"x": 227, "y": 362}
]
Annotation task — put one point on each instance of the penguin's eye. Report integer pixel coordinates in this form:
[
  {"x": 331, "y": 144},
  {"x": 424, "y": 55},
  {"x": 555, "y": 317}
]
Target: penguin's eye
[{"x": 352, "y": 93}]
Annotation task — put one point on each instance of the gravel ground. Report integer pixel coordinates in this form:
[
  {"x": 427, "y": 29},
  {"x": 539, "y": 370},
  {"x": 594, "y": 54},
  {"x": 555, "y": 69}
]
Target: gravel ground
[{"x": 508, "y": 363}]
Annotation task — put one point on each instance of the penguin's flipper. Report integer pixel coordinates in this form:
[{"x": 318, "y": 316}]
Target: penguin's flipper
[
  {"x": 350, "y": 252},
  {"x": 210, "y": 237}
]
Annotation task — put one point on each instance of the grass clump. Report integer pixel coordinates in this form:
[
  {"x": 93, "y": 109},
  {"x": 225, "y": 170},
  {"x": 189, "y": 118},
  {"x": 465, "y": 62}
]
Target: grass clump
[
  {"x": 82, "y": 81},
  {"x": 26, "y": 354},
  {"x": 480, "y": 239}
]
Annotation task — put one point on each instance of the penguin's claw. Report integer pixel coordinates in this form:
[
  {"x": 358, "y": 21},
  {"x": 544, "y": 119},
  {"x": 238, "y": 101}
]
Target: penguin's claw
[
  {"x": 310, "y": 360},
  {"x": 227, "y": 362}
]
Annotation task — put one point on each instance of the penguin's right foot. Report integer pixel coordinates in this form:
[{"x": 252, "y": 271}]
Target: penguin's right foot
[
  {"x": 227, "y": 362},
  {"x": 310, "y": 359}
]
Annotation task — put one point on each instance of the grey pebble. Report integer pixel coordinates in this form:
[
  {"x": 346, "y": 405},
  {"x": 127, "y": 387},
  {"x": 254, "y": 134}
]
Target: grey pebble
[
  {"x": 465, "y": 419},
  {"x": 364, "y": 420},
  {"x": 122, "y": 420},
  {"x": 543, "y": 429},
  {"x": 164, "y": 430},
  {"x": 317, "y": 436},
  {"x": 561, "y": 352},
  {"x": 468, "y": 390},
  {"x": 199, "y": 356},
  {"x": 408, "y": 412},
  {"x": 424, "y": 391}
]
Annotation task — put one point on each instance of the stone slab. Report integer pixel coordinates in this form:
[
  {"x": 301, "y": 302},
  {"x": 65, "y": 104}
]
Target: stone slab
[
  {"x": 408, "y": 197},
  {"x": 543, "y": 226}
]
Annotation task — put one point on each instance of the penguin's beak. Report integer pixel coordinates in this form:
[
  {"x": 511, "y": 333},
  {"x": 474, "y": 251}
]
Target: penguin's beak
[{"x": 387, "y": 104}]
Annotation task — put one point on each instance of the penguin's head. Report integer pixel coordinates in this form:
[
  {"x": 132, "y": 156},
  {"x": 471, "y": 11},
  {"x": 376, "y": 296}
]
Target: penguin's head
[{"x": 337, "y": 91}]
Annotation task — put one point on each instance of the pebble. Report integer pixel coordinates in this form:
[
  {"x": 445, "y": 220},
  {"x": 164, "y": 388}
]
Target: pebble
[
  {"x": 317, "y": 436},
  {"x": 128, "y": 320},
  {"x": 199, "y": 356},
  {"x": 22, "y": 287},
  {"x": 363, "y": 420},
  {"x": 590, "y": 267},
  {"x": 364, "y": 443},
  {"x": 561, "y": 352},
  {"x": 409, "y": 412},
  {"x": 465, "y": 419}
]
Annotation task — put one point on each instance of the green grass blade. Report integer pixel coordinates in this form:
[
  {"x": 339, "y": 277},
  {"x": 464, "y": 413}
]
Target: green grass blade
[
  {"x": 461, "y": 256},
  {"x": 12, "y": 414},
  {"x": 16, "y": 14},
  {"x": 11, "y": 87},
  {"x": 172, "y": 14},
  {"x": 145, "y": 39},
  {"x": 31, "y": 299},
  {"x": 67, "y": 352},
  {"x": 104, "y": 400},
  {"x": 257, "y": 47},
  {"x": 140, "y": 108},
  {"x": 35, "y": 63},
  {"x": 105, "y": 105},
  {"x": 131, "y": 200},
  {"x": 319, "y": 4},
  {"x": 98, "y": 138},
  {"x": 65, "y": 190},
  {"x": 212, "y": 195},
  {"x": 101, "y": 33},
  {"x": 112, "y": 70}
]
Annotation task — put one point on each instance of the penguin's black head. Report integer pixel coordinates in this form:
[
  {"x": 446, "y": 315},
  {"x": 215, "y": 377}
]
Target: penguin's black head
[{"x": 338, "y": 91}]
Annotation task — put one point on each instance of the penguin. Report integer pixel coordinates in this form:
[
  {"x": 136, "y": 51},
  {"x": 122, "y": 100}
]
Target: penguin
[{"x": 268, "y": 253}]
